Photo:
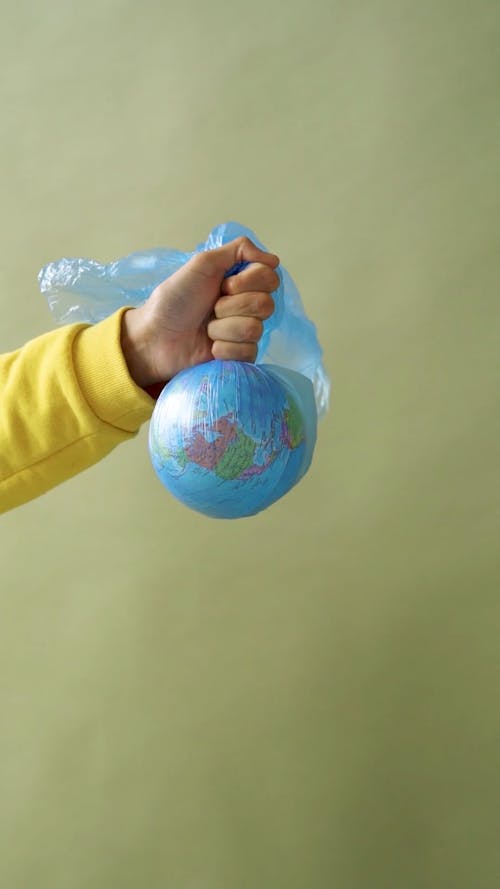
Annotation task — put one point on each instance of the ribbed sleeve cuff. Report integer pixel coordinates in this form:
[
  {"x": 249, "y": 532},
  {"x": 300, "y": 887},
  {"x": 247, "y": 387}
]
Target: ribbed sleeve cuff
[{"x": 104, "y": 377}]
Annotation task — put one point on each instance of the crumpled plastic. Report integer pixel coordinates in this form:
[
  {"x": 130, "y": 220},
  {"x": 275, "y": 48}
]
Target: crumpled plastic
[{"x": 86, "y": 290}]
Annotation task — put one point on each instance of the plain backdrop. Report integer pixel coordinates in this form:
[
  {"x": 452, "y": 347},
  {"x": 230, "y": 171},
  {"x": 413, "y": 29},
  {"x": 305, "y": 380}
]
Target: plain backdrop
[{"x": 309, "y": 698}]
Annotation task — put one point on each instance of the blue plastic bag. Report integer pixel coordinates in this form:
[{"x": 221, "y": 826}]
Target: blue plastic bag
[{"x": 85, "y": 290}]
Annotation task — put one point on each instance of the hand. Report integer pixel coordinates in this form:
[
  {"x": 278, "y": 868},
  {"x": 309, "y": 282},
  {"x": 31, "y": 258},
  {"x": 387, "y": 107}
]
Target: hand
[{"x": 197, "y": 314}]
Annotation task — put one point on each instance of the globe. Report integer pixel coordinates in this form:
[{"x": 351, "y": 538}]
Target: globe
[{"x": 228, "y": 438}]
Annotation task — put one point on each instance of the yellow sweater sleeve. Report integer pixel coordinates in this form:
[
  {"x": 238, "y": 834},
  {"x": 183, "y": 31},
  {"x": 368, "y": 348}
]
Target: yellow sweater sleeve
[{"x": 67, "y": 399}]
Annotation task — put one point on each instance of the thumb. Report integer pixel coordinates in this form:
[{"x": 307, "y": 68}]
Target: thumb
[{"x": 239, "y": 250}]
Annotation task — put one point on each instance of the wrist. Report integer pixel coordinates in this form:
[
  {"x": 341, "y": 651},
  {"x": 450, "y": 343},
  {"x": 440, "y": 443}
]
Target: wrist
[{"x": 136, "y": 347}]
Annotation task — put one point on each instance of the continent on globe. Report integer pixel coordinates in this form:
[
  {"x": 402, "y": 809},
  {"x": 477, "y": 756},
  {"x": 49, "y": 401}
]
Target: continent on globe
[
  {"x": 237, "y": 457},
  {"x": 292, "y": 429},
  {"x": 229, "y": 454},
  {"x": 207, "y": 454}
]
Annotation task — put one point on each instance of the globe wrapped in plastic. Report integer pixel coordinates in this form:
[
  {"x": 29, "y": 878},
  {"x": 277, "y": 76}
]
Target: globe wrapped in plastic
[{"x": 229, "y": 438}]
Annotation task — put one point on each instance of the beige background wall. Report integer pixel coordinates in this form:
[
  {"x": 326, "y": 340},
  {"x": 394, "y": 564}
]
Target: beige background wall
[{"x": 309, "y": 698}]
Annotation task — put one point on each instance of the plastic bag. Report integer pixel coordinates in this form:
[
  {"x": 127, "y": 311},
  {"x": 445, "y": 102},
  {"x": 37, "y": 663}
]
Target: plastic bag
[{"x": 85, "y": 290}]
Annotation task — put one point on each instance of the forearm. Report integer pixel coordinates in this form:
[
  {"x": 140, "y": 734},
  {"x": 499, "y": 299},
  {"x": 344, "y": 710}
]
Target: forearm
[{"x": 67, "y": 400}]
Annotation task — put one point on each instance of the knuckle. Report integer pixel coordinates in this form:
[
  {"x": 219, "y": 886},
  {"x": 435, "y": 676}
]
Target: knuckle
[
  {"x": 243, "y": 332},
  {"x": 218, "y": 350},
  {"x": 241, "y": 243},
  {"x": 262, "y": 278},
  {"x": 250, "y": 352},
  {"x": 252, "y": 330},
  {"x": 266, "y": 306},
  {"x": 274, "y": 280},
  {"x": 222, "y": 307}
]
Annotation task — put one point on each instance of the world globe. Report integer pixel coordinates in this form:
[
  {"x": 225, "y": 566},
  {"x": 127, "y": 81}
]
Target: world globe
[{"x": 228, "y": 438}]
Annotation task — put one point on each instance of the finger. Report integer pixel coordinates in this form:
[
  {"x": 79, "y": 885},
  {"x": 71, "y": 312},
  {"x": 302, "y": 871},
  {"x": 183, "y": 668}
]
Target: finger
[
  {"x": 235, "y": 330},
  {"x": 240, "y": 250},
  {"x": 251, "y": 305},
  {"x": 256, "y": 276},
  {"x": 234, "y": 351}
]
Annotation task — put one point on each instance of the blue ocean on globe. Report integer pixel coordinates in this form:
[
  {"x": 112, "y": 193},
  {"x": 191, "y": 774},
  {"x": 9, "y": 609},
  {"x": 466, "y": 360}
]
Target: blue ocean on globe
[{"x": 229, "y": 438}]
